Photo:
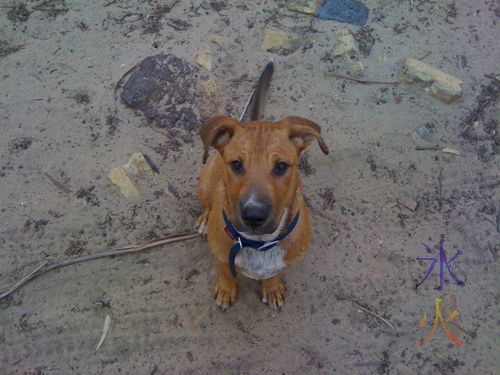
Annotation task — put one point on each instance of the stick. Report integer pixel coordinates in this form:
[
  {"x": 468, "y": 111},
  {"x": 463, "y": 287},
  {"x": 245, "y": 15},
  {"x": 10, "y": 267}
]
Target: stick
[
  {"x": 363, "y": 81},
  {"x": 109, "y": 3},
  {"x": 44, "y": 268},
  {"x": 429, "y": 148},
  {"x": 375, "y": 315},
  {"x": 59, "y": 185},
  {"x": 493, "y": 77},
  {"x": 23, "y": 281},
  {"x": 440, "y": 189},
  {"x": 424, "y": 56}
]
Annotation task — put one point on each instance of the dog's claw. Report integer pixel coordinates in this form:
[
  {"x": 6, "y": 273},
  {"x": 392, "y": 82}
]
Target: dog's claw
[
  {"x": 225, "y": 293},
  {"x": 201, "y": 223},
  {"x": 273, "y": 292}
]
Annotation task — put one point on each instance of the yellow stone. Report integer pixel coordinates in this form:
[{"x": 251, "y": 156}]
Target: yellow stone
[
  {"x": 382, "y": 58},
  {"x": 204, "y": 60},
  {"x": 345, "y": 43},
  {"x": 275, "y": 39},
  {"x": 137, "y": 165},
  {"x": 120, "y": 179},
  {"x": 355, "y": 65},
  {"x": 303, "y": 6},
  {"x": 216, "y": 39},
  {"x": 209, "y": 88},
  {"x": 345, "y": 47},
  {"x": 441, "y": 85}
]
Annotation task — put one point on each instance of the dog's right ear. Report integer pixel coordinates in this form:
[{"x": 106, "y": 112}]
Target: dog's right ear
[{"x": 217, "y": 132}]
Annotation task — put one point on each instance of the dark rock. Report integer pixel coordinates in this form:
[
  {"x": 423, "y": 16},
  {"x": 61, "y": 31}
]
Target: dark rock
[
  {"x": 164, "y": 89},
  {"x": 348, "y": 11}
]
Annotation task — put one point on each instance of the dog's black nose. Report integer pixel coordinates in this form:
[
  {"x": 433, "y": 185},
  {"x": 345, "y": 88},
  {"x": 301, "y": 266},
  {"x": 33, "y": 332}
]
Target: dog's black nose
[{"x": 254, "y": 216}]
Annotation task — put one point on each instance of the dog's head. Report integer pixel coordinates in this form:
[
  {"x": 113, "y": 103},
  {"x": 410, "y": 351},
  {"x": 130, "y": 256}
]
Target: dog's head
[{"x": 261, "y": 175}]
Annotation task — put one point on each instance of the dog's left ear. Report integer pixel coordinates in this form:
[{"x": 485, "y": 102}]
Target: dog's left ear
[
  {"x": 217, "y": 132},
  {"x": 302, "y": 132}
]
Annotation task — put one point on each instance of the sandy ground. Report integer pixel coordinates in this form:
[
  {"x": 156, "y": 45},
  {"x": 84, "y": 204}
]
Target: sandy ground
[{"x": 62, "y": 134}]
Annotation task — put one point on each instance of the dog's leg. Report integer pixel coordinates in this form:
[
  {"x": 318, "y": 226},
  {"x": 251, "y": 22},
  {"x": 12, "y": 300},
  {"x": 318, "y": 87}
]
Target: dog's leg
[
  {"x": 272, "y": 291},
  {"x": 226, "y": 287},
  {"x": 204, "y": 197}
]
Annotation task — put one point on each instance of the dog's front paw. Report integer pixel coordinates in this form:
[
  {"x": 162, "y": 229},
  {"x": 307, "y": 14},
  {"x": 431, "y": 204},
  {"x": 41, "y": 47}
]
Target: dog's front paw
[
  {"x": 272, "y": 292},
  {"x": 201, "y": 223},
  {"x": 225, "y": 292}
]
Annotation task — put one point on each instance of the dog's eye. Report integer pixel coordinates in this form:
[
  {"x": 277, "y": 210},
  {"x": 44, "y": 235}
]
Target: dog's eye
[
  {"x": 280, "y": 168},
  {"x": 237, "y": 166}
]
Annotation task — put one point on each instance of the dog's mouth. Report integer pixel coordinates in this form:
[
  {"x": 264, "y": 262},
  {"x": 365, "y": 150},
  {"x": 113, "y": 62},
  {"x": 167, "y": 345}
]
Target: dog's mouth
[{"x": 264, "y": 233}]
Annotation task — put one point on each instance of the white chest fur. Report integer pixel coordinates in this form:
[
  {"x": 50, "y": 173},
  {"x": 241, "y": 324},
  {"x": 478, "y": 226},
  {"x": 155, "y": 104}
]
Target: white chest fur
[{"x": 259, "y": 265}]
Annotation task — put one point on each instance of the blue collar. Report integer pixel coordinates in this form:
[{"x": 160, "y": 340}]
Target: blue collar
[{"x": 242, "y": 241}]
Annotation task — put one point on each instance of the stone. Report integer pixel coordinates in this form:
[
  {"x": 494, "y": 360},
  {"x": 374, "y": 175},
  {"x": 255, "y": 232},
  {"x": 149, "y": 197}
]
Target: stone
[
  {"x": 211, "y": 102},
  {"x": 217, "y": 39},
  {"x": 139, "y": 166},
  {"x": 440, "y": 84},
  {"x": 346, "y": 47},
  {"x": 120, "y": 179},
  {"x": 204, "y": 60},
  {"x": 346, "y": 44},
  {"x": 355, "y": 65},
  {"x": 273, "y": 39},
  {"x": 209, "y": 87},
  {"x": 303, "y": 6},
  {"x": 164, "y": 88},
  {"x": 408, "y": 203},
  {"x": 347, "y": 11}
]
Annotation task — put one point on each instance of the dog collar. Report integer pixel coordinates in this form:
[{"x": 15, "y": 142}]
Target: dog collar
[{"x": 241, "y": 241}]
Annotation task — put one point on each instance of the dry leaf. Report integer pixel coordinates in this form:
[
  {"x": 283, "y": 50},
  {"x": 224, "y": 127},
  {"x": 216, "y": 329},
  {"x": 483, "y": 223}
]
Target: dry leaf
[
  {"x": 451, "y": 151},
  {"x": 105, "y": 330}
]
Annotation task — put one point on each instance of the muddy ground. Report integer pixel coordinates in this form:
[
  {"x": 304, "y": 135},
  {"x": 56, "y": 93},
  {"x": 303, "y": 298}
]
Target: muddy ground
[{"x": 65, "y": 126}]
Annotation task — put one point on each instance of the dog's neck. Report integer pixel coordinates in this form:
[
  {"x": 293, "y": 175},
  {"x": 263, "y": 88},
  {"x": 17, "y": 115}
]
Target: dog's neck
[{"x": 269, "y": 236}]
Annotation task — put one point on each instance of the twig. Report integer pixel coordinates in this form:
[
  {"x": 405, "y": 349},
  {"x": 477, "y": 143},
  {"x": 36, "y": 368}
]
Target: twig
[
  {"x": 374, "y": 314},
  {"x": 401, "y": 217},
  {"x": 493, "y": 252},
  {"x": 23, "y": 281},
  {"x": 44, "y": 268},
  {"x": 424, "y": 56},
  {"x": 473, "y": 335},
  {"x": 493, "y": 77},
  {"x": 428, "y": 148},
  {"x": 440, "y": 189},
  {"x": 109, "y": 3},
  {"x": 59, "y": 185},
  {"x": 363, "y": 81}
]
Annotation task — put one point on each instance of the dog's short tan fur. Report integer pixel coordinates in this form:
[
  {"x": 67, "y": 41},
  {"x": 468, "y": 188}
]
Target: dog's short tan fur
[{"x": 258, "y": 146}]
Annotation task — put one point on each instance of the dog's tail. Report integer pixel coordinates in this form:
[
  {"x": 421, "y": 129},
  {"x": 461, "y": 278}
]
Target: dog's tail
[{"x": 253, "y": 107}]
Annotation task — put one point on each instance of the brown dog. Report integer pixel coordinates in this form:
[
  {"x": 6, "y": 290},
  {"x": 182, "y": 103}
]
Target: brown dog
[{"x": 254, "y": 180}]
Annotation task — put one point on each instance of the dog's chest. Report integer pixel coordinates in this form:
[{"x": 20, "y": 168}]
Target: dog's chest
[{"x": 259, "y": 265}]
